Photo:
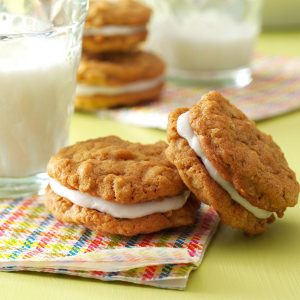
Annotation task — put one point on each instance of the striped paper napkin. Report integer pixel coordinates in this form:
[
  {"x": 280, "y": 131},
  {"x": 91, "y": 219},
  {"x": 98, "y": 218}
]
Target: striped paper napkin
[
  {"x": 275, "y": 90},
  {"x": 32, "y": 240}
]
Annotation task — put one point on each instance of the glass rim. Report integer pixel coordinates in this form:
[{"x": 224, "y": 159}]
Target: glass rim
[{"x": 50, "y": 29}]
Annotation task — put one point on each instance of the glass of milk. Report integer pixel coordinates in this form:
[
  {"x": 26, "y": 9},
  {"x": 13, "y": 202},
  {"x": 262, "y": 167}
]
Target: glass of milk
[
  {"x": 206, "y": 41},
  {"x": 40, "y": 46}
]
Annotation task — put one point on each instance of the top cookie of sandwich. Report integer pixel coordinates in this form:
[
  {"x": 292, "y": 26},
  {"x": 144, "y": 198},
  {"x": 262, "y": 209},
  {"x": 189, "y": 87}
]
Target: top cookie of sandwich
[
  {"x": 117, "y": 12},
  {"x": 242, "y": 154},
  {"x": 115, "y": 69},
  {"x": 117, "y": 170}
]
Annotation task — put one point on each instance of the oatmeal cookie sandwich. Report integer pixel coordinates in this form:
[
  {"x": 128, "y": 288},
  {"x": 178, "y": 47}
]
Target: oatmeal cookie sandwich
[
  {"x": 228, "y": 163},
  {"x": 117, "y": 187},
  {"x": 118, "y": 79},
  {"x": 115, "y": 25}
]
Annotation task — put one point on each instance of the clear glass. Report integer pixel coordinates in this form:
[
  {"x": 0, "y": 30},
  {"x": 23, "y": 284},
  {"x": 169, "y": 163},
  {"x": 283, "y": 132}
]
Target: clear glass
[
  {"x": 206, "y": 41},
  {"x": 40, "y": 47}
]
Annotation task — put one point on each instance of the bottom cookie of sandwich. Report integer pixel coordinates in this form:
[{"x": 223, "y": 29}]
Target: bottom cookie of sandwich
[{"x": 66, "y": 211}]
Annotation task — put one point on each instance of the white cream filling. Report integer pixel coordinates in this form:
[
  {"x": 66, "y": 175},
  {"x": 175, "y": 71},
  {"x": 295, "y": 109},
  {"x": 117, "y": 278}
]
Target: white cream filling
[
  {"x": 127, "y": 211},
  {"x": 111, "y": 30},
  {"x": 142, "y": 85},
  {"x": 184, "y": 129}
]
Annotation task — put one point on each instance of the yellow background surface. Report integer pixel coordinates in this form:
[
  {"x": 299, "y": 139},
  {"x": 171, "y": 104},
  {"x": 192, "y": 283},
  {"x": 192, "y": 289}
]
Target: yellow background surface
[{"x": 234, "y": 267}]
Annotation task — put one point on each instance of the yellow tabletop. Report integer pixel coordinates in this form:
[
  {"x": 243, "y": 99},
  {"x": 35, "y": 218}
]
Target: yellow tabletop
[{"x": 234, "y": 267}]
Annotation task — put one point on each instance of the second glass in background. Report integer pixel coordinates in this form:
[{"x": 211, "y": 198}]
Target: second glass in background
[{"x": 210, "y": 42}]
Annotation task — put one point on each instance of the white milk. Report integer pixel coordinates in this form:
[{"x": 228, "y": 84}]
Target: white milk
[
  {"x": 37, "y": 83},
  {"x": 203, "y": 41}
]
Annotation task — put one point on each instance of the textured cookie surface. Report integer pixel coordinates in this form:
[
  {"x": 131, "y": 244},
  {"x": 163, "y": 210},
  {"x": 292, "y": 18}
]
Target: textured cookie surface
[
  {"x": 117, "y": 12},
  {"x": 66, "y": 211},
  {"x": 197, "y": 179},
  {"x": 117, "y": 170},
  {"x": 90, "y": 103},
  {"x": 243, "y": 155},
  {"x": 115, "y": 69}
]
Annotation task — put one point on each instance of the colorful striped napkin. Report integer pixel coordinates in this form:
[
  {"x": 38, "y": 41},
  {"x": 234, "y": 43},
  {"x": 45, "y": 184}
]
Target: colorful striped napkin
[
  {"x": 32, "y": 240},
  {"x": 275, "y": 90}
]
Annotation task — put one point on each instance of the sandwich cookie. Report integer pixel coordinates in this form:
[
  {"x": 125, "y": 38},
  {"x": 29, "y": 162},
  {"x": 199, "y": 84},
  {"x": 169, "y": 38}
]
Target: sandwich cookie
[
  {"x": 115, "y": 25},
  {"x": 118, "y": 187},
  {"x": 115, "y": 79},
  {"x": 230, "y": 164}
]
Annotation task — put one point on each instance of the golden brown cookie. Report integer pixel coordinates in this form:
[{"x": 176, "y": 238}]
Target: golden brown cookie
[
  {"x": 116, "y": 79},
  {"x": 241, "y": 154},
  {"x": 117, "y": 170},
  {"x": 125, "y": 176},
  {"x": 103, "y": 44},
  {"x": 115, "y": 69},
  {"x": 115, "y": 25}
]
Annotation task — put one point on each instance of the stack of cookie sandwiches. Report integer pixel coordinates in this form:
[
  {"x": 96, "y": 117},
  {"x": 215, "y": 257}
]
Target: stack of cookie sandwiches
[{"x": 113, "y": 71}]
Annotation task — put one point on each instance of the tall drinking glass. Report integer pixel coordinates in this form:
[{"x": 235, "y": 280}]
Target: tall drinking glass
[{"x": 40, "y": 47}]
